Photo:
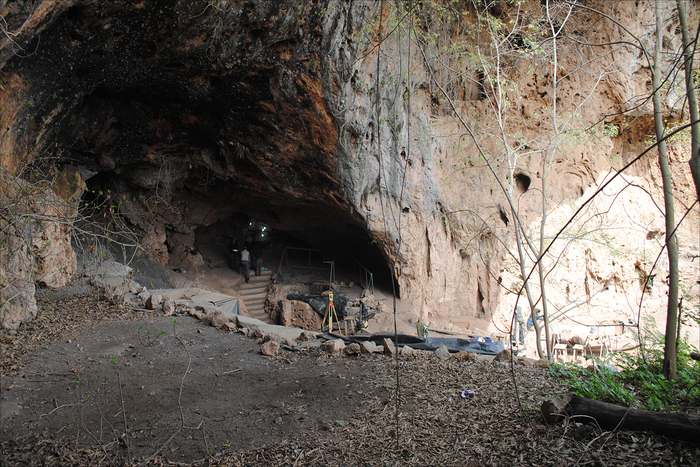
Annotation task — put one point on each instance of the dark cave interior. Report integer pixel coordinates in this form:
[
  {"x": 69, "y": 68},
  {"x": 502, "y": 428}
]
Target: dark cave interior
[{"x": 190, "y": 138}]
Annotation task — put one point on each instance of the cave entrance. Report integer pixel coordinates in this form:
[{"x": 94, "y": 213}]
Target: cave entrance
[
  {"x": 300, "y": 239},
  {"x": 347, "y": 256}
]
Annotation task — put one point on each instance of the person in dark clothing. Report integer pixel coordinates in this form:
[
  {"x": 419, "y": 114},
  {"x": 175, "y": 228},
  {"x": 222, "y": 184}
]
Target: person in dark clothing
[
  {"x": 258, "y": 260},
  {"x": 233, "y": 254}
]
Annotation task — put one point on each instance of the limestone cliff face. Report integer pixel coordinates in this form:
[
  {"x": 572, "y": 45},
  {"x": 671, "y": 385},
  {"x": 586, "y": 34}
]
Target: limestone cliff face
[{"x": 323, "y": 119}]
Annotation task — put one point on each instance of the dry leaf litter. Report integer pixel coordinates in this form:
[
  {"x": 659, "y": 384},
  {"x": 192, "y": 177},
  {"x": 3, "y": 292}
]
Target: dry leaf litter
[{"x": 426, "y": 421}]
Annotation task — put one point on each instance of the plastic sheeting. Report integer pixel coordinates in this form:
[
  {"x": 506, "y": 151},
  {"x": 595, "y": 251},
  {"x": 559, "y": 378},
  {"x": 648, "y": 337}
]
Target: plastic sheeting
[
  {"x": 227, "y": 305},
  {"x": 485, "y": 347}
]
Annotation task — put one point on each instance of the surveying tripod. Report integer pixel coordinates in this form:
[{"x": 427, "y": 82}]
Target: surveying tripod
[{"x": 330, "y": 315}]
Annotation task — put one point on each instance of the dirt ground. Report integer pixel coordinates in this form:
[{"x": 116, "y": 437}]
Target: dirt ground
[
  {"x": 214, "y": 387},
  {"x": 88, "y": 383}
]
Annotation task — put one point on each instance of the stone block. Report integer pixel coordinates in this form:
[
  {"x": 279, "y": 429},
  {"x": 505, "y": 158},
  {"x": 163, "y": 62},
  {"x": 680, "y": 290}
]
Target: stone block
[
  {"x": 219, "y": 320},
  {"x": 464, "y": 356},
  {"x": 389, "y": 347},
  {"x": 332, "y": 346},
  {"x": 353, "y": 349},
  {"x": 270, "y": 348},
  {"x": 442, "y": 352},
  {"x": 168, "y": 307},
  {"x": 153, "y": 301},
  {"x": 503, "y": 356},
  {"x": 369, "y": 347}
]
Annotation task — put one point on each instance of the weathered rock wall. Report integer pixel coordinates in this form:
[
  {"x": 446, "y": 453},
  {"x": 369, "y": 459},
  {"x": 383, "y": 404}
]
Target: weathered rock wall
[
  {"x": 35, "y": 243},
  {"x": 335, "y": 121},
  {"x": 420, "y": 181}
]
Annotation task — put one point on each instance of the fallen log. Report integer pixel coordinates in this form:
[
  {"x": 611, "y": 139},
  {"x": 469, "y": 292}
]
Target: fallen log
[
  {"x": 695, "y": 355},
  {"x": 673, "y": 425}
]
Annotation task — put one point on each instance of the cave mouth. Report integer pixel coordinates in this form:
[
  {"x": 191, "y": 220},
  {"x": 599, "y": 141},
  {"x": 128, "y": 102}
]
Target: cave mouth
[
  {"x": 223, "y": 217},
  {"x": 355, "y": 258},
  {"x": 522, "y": 183}
]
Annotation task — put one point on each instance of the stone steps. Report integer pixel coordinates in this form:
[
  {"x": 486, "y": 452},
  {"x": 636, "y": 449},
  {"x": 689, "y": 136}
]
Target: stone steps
[{"x": 254, "y": 295}]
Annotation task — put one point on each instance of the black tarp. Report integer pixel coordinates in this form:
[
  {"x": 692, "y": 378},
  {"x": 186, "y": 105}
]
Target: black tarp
[{"x": 486, "y": 347}]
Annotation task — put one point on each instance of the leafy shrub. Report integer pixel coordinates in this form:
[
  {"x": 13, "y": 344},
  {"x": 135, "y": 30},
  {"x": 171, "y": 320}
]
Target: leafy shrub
[{"x": 639, "y": 383}]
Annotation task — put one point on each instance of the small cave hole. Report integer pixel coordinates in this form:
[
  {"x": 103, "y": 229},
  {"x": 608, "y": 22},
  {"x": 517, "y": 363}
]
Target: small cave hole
[
  {"x": 503, "y": 215},
  {"x": 522, "y": 183},
  {"x": 480, "y": 301},
  {"x": 517, "y": 41},
  {"x": 406, "y": 210}
]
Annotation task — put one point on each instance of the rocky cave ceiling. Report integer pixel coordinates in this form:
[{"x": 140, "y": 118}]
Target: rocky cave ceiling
[{"x": 192, "y": 113}]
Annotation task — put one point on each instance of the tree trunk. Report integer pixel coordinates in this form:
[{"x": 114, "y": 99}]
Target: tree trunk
[
  {"x": 690, "y": 91},
  {"x": 670, "y": 343},
  {"x": 681, "y": 426}
]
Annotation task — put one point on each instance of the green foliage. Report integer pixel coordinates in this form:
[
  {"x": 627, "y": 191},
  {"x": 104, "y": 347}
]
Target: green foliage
[
  {"x": 611, "y": 130},
  {"x": 639, "y": 383},
  {"x": 601, "y": 383}
]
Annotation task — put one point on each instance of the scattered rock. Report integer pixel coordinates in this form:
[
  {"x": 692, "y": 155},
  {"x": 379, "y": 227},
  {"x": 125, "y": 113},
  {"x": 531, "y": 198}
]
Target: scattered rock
[
  {"x": 153, "y": 301},
  {"x": 144, "y": 295},
  {"x": 526, "y": 361},
  {"x": 353, "y": 349},
  {"x": 389, "y": 347},
  {"x": 306, "y": 336},
  {"x": 369, "y": 347},
  {"x": 255, "y": 332},
  {"x": 194, "y": 312},
  {"x": 442, "y": 353},
  {"x": 503, "y": 356},
  {"x": 271, "y": 336},
  {"x": 168, "y": 307},
  {"x": 309, "y": 345},
  {"x": 462, "y": 356},
  {"x": 270, "y": 348},
  {"x": 542, "y": 362},
  {"x": 407, "y": 351},
  {"x": 332, "y": 346},
  {"x": 219, "y": 320}
]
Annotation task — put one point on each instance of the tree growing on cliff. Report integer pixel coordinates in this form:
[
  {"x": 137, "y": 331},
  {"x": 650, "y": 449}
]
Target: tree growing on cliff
[
  {"x": 664, "y": 80},
  {"x": 689, "y": 47},
  {"x": 508, "y": 40}
]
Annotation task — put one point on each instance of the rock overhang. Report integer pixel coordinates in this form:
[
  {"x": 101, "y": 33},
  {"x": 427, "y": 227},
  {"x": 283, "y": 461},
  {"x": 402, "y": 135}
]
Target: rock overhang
[{"x": 195, "y": 105}]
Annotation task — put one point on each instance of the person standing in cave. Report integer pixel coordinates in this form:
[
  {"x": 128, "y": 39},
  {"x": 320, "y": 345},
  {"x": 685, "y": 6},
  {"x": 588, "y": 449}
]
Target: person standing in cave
[
  {"x": 233, "y": 254},
  {"x": 245, "y": 263},
  {"x": 519, "y": 323},
  {"x": 258, "y": 260}
]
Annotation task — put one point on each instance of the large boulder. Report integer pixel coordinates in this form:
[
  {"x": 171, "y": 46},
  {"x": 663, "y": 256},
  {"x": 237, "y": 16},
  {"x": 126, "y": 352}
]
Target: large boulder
[{"x": 299, "y": 314}]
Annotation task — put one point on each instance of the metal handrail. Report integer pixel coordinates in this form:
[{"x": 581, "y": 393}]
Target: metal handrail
[{"x": 366, "y": 276}]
